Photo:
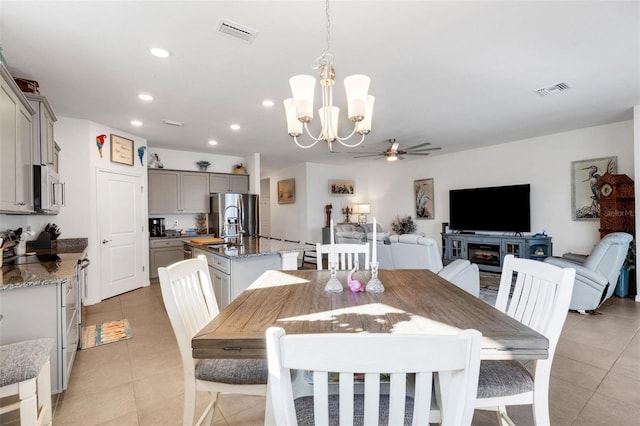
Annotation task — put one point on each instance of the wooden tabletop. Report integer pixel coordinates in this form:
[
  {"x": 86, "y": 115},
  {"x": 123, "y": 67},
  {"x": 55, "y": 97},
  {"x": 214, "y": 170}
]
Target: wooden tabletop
[{"x": 414, "y": 301}]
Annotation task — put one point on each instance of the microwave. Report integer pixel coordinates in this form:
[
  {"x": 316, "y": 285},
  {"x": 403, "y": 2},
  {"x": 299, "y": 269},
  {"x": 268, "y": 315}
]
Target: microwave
[{"x": 48, "y": 191}]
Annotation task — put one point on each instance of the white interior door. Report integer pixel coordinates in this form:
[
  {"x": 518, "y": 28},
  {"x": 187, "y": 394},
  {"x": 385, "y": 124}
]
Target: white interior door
[{"x": 120, "y": 230}]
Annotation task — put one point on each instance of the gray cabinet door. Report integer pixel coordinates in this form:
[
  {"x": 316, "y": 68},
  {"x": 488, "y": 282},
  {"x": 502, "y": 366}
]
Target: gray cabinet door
[
  {"x": 239, "y": 184},
  {"x": 195, "y": 192},
  {"x": 159, "y": 257},
  {"x": 163, "y": 194},
  {"x": 16, "y": 187},
  {"x": 218, "y": 182}
]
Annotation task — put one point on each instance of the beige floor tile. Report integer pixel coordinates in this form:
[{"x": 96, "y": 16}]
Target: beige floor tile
[
  {"x": 605, "y": 411},
  {"x": 94, "y": 408},
  {"x": 566, "y": 401},
  {"x": 127, "y": 419},
  {"x": 152, "y": 390},
  {"x": 101, "y": 367},
  {"x": 577, "y": 373},
  {"x": 103, "y": 316},
  {"x": 586, "y": 353},
  {"x": 111, "y": 304},
  {"x": 167, "y": 361},
  {"x": 242, "y": 410},
  {"x": 621, "y": 387}
]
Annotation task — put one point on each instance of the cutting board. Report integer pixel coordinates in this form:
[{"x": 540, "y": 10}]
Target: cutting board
[{"x": 209, "y": 240}]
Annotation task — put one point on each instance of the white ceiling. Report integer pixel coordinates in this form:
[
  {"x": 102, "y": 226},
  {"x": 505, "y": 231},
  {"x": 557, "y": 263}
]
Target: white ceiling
[{"x": 456, "y": 74}]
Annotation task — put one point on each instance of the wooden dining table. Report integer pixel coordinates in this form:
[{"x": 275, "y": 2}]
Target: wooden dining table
[{"x": 414, "y": 301}]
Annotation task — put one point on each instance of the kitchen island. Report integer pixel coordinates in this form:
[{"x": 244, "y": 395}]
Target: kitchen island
[
  {"x": 234, "y": 266},
  {"x": 41, "y": 296}
]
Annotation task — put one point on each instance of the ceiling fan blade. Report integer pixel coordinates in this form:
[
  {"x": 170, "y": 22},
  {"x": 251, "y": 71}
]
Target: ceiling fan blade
[
  {"x": 418, "y": 146},
  {"x": 394, "y": 146},
  {"x": 416, "y": 153},
  {"x": 426, "y": 149},
  {"x": 369, "y": 155}
]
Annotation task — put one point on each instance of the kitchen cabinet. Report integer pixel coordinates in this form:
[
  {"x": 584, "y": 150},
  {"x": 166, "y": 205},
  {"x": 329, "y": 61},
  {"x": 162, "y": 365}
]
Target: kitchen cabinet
[
  {"x": 221, "y": 182},
  {"x": 16, "y": 181},
  {"x": 56, "y": 158},
  {"x": 174, "y": 191},
  {"x": 43, "y": 122},
  {"x": 231, "y": 276},
  {"x": 45, "y": 311},
  {"x": 164, "y": 252}
]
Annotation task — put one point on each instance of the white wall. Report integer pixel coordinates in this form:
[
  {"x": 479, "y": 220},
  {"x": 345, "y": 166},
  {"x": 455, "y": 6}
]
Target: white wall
[{"x": 543, "y": 162}]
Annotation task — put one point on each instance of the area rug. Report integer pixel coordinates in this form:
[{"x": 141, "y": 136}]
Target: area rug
[{"x": 105, "y": 332}]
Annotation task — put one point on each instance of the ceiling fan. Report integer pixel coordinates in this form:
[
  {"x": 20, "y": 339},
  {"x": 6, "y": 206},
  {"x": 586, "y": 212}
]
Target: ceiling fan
[{"x": 394, "y": 152}]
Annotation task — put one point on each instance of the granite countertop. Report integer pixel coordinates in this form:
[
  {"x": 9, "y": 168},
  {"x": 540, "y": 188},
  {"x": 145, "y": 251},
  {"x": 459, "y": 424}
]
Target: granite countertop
[
  {"x": 251, "y": 246},
  {"x": 177, "y": 236},
  {"x": 56, "y": 265}
]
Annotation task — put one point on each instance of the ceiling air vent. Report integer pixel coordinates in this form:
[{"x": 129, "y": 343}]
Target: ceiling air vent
[
  {"x": 237, "y": 31},
  {"x": 552, "y": 90},
  {"x": 173, "y": 123}
]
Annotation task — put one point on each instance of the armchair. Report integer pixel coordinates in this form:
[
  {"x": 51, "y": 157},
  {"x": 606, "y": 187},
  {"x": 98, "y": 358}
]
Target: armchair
[
  {"x": 348, "y": 233},
  {"x": 412, "y": 251},
  {"x": 596, "y": 278}
]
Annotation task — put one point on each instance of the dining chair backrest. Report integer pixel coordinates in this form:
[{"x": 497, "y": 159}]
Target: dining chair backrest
[
  {"x": 346, "y": 255},
  {"x": 540, "y": 295},
  {"x": 189, "y": 300},
  {"x": 455, "y": 359}
]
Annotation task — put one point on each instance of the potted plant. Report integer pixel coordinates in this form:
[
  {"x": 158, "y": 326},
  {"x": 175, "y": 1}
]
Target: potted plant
[{"x": 403, "y": 225}]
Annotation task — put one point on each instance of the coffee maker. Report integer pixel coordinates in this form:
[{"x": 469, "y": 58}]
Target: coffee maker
[{"x": 156, "y": 226}]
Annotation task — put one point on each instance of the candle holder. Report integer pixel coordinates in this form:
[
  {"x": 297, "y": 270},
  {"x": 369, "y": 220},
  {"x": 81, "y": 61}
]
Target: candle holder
[
  {"x": 333, "y": 285},
  {"x": 374, "y": 285}
]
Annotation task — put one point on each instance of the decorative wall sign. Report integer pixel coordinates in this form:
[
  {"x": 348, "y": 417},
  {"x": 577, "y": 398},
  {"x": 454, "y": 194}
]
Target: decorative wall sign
[
  {"x": 287, "y": 191},
  {"x": 423, "y": 196},
  {"x": 585, "y": 194},
  {"x": 121, "y": 150},
  {"x": 342, "y": 187}
]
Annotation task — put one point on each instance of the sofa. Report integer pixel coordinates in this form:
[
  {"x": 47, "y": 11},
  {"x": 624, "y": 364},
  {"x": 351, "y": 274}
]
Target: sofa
[
  {"x": 350, "y": 233},
  {"x": 414, "y": 251}
]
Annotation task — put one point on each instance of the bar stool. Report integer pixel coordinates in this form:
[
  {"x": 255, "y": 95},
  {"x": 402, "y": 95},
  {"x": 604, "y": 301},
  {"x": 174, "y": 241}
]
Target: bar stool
[{"x": 25, "y": 373}]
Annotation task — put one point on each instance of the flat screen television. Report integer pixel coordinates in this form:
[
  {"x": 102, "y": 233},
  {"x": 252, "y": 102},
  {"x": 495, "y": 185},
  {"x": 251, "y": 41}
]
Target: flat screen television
[{"x": 497, "y": 208}]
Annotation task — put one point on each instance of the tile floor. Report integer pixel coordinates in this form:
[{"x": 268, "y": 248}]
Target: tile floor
[{"x": 595, "y": 378}]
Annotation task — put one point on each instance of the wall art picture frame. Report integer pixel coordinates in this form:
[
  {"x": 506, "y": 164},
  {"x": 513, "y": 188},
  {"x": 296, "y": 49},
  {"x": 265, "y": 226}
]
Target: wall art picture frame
[
  {"x": 342, "y": 187},
  {"x": 423, "y": 197},
  {"x": 585, "y": 196},
  {"x": 121, "y": 150},
  {"x": 287, "y": 191}
]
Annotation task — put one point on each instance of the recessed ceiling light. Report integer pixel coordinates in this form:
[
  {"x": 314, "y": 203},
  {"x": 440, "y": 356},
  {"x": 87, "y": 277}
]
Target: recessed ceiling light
[
  {"x": 137, "y": 123},
  {"x": 213, "y": 142},
  {"x": 145, "y": 97},
  {"x": 268, "y": 103},
  {"x": 235, "y": 127},
  {"x": 160, "y": 53}
]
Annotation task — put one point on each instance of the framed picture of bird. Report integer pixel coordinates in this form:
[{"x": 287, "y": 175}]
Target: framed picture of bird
[
  {"x": 423, "y": 196},
  {"x": 585, "y": 196}
]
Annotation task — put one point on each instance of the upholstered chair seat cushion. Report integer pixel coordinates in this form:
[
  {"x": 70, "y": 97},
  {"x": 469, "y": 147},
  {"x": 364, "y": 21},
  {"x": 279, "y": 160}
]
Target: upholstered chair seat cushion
[
  {"x": 304, "y": 410},
  {"x": 233, "y": 371},
  {"x": 23, "y": 360},
  {"x": 503, "y": 378}
]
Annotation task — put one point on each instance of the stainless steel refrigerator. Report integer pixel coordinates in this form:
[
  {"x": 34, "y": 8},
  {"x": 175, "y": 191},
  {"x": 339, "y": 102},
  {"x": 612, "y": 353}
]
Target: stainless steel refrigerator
[{"x": 232, "y": 214}]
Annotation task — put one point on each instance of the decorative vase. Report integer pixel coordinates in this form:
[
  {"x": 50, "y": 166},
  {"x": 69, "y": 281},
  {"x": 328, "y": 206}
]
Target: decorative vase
[{"x": 203, "y": 165}]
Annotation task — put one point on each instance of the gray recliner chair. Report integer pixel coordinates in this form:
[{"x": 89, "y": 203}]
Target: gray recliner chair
[{"x": 597, "y": 277}]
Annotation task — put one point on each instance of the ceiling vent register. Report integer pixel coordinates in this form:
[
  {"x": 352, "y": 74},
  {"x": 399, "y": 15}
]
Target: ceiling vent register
[
  {"x": 237, "y": 31},
  {"x": 552, "y": 90}
]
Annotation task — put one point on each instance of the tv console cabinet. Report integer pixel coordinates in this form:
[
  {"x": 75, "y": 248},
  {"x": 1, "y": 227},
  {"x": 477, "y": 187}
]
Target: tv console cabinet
[{"x": 488, "y": 251}]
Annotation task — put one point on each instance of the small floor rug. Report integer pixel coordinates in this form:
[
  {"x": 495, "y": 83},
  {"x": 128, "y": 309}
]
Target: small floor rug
[{"x": 105, "y": 332}]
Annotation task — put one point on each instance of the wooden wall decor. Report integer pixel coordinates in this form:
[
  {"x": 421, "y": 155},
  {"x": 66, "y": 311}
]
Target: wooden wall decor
[{"x": 617, "y": 204}]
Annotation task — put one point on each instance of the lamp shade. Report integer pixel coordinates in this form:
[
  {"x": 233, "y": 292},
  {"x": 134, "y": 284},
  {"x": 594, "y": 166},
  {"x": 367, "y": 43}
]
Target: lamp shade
[
  {"x": 364, "y": 127},
  {"x": 294, "y": 126},
  {"x": 302, "y": 88},
  {"x": 362, "y": 208},
  {"x": 357, "y": 88}
]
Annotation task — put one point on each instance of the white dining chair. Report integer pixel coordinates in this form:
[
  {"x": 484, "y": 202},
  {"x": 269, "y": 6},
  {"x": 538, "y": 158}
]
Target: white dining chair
[
  {"x": 540, "y": 300},
  {"x": 349, "y": 357},
  {"x": 347, "y": 255},
  {"x": 190, "y": 303}
]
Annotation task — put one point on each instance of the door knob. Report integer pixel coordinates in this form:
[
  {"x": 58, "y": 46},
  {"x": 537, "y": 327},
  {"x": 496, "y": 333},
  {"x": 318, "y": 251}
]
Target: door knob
[{"x": 105, "y": 241}]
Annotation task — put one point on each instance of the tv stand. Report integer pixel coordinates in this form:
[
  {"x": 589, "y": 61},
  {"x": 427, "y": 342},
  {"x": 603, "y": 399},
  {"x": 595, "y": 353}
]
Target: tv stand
[{"x": 488, "y": 251}]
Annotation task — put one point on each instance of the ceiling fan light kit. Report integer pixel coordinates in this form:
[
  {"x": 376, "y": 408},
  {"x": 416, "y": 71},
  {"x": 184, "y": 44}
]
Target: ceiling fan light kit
[{"x": 299, "y": 108}]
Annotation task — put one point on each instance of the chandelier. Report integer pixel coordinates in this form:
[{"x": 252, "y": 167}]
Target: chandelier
[{"x": 299, "y": 108}]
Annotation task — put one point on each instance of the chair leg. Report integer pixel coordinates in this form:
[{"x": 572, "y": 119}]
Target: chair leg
[
  {"x": 540, "y": 409},
  {"x": 44, "y": 395},
  {"x": 28, "y": 402},
  {"x": 189, "y": 404}
]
